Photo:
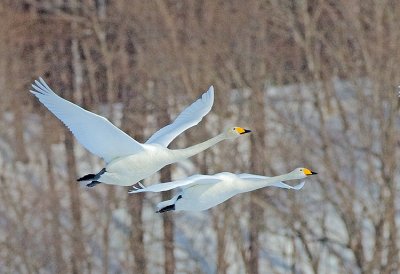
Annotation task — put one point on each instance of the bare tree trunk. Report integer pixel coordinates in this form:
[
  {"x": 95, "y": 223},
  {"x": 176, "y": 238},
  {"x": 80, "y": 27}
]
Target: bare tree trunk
[
  {"x": 168, "y": 222},
  {"x": 257, "y": 141},
  {"x": 168, "y": 226},
  {"x": 137, "y": 234},
  {"x": 59, "y": 262},
  {"x": 254, "y": 231},
  {"x": 388, "y": 171},
  {"x": 77, "y": 76},
  {"x": 135, "y": 203},
  {"x": 106, "y": 229},
  {"x": 220, "y": 227},
  {"x": 75, "y": 205},
  {"x": 21, "y": 154},
  {"x": 19, "y": 145},
  {"x": 393, "y": 250}
]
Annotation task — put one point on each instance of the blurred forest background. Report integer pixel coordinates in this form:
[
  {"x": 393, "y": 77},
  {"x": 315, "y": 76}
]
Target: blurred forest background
[{"x": 314, "y": 79}]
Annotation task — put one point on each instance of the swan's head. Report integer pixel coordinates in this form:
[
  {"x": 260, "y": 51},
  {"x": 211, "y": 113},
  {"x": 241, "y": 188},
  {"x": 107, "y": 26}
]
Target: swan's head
[
  {"x": 302, "y": 172},
  {"x": 234, "y": 132}
]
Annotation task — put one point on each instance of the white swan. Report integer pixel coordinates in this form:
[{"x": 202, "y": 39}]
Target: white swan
[
  {"x": 128, "y": 161},
  {"x": 201, "y": 192}
]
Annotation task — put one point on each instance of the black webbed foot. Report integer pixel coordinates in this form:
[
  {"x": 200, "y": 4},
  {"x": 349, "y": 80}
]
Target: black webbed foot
[
  {"x": 167, "y": 208},
  {"x": 93, "y": 183},
  {"x": 87, "y": 177}
]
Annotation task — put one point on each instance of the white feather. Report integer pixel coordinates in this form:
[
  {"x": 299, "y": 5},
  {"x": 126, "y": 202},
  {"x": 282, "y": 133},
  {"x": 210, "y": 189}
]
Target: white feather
[
  {"x": 94, "y": 132},
  {"x": 201, "y": 192},
  {"x": 127, "y": 160},
  {"x": 187, "y": 182},
  {"x": 188, "y": 118}
]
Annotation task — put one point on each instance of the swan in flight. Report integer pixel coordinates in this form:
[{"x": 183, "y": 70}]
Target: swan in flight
[
  {"x": 128, "y": 161},
  {"x": 201, "y": 192}
]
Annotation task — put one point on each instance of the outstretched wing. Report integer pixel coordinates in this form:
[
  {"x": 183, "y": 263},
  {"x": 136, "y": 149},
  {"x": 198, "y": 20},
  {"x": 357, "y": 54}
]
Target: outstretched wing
[
  {"x": 188, "y": 182},
  {"x": 94, "y": 132},
  {"x": 272, "y": 183},
  {"x": 251, "y": 176},
  {"x": 283, "y": 185},
  {"x": 188, "y": 118}
]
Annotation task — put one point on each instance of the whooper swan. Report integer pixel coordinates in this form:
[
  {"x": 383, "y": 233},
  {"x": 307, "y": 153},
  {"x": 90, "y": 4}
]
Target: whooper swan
[
  {"x": 201, "y": 192},
  {"x": 128, "y": 161}
]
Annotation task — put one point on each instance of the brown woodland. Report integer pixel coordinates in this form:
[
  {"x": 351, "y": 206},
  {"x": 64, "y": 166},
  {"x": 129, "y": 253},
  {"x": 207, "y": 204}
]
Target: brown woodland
[{"x": 315, "y": 80}]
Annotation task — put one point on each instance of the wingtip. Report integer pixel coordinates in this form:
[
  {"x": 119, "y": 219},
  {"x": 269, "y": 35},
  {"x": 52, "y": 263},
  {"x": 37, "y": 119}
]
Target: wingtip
[
  {"x": 35, "y": 92},
  {"x": 210, "y": 93},
  {"x": 300, "y": 186},
  {"x": 208, "y": 96},
  {"x": 43, "y": 82},
  {"x": 135, "y": 191},
  {"x": 37, "y": 88}
]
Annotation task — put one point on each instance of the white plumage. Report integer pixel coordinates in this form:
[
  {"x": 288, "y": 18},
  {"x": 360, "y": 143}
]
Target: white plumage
[
  {"x": 201, "y": 192},
  {"x": 128, "y": 161},
  {"x": 188, "y": 118},
  {"x": 94, "y": 132}
]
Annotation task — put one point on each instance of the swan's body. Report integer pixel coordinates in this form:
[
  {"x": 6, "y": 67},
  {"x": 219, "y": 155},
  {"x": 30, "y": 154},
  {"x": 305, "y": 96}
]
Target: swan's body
[
  {"x": 201, "y": 192},
  {"x": 128, "y": 161},
  {"x": 128, "y": 170}
]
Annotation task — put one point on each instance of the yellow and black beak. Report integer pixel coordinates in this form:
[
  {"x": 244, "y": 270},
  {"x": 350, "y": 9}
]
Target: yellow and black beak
[
  {"x": 241, "y": 130},
  {"x": 309, "y": 172}
]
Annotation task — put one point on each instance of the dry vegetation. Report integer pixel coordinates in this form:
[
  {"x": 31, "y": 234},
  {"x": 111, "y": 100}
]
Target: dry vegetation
[{"x": 316, "y": 81}]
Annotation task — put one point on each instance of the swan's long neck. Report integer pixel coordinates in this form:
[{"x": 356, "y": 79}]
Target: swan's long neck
[
  {"x": 193, "y": 150},
  {"x": 253, "y": 184}
]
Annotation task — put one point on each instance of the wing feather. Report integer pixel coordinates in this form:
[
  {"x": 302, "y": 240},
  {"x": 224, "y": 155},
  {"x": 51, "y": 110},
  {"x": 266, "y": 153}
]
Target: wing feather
[
  {"x": 188, "y": 118},
  {"x": 273, "y": 183},
  {"x": 94, "y": 132},
  {"x": 283, "y": 185},
  {"x": 251, "y": 176},
  {"x": 188, "y": 182}
]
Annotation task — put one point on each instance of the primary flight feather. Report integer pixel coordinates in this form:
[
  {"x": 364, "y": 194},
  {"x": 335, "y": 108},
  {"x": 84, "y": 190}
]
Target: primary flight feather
[
  {"x": 94, "y": 132},
  {"x": 128, "y": 161}
]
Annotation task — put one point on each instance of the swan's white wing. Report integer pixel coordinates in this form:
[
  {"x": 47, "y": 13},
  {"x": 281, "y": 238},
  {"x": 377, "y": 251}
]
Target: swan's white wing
[
  {"x": 276, "y": 184},
  {"x": 251, "y": 176},
  {"x": 188, "y": 118},
  {"x": 190, "y": 181},
  {"x": 94, "y": 132},
  {"x": 283, "y": 185}
]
